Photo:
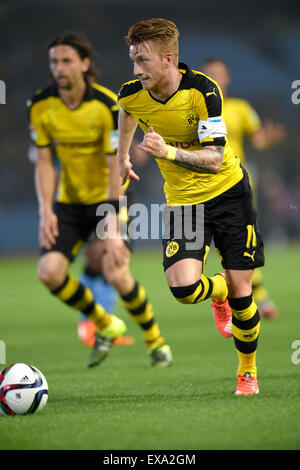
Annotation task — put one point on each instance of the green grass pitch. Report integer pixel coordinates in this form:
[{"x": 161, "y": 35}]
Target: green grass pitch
[{"x": 125, "y": 403}]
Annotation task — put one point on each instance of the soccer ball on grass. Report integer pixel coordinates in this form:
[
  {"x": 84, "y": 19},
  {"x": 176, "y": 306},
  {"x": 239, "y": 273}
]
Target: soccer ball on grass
[{"x": 23, "y": 390}]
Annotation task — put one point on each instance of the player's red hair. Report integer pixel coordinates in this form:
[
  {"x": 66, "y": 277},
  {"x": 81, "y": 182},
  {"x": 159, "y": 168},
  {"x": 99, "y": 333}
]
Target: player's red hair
[{"x": 158, "y": 30}]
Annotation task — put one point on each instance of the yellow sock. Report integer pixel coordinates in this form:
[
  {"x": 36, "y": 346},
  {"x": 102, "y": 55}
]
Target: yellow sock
[
  {"x": 141, "y": 311},
  {"x": 245, "y": 331},
  {"x": 79, "y": 297},
  {"x": 214, "y": 287},
  {"x": 247, "y": 363},
  {"x": 220, "y": 290}
]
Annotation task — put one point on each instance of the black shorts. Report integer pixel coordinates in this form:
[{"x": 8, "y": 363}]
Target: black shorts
[
  {"x": 230, "y": 221},
  {"x": 77, "y": 225}
]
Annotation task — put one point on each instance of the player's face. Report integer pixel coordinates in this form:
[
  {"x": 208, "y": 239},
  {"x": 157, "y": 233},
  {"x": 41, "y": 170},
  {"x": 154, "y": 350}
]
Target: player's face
[
  {"x": 150, "y": 65},
  {"x": 218, "y": 72},
  {"x": 66, "y": 66}
]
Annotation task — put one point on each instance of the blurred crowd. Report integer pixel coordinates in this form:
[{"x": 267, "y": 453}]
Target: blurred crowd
[{"x": 263, "y": 65}]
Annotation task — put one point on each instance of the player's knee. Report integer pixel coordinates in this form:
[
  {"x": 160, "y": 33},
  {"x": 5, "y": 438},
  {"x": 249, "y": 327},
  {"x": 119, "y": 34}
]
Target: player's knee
[
  {"x": 114, "y": 277},
  {"x": 49, "y": 275}
]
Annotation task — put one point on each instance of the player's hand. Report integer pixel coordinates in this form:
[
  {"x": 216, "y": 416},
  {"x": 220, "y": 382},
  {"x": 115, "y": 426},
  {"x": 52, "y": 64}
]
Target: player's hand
[
  {"x": 48, "y": 229},
  {"x": 116, "y": 253},
  {"x": 154, "y": 144},
  {"x": 126, "y": 171},
  {"x": 275, "y": 131}
]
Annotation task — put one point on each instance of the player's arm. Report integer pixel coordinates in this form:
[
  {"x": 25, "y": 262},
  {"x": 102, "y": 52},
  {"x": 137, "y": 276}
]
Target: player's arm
[
  {"x": 116, "y": 251},
  {"x": 211, "y": 133},
  {"x": 266, "y": 136},
  {"x": 114, "y": 187},
  {"x": 127, "y": 126},
  {"x": 45, "y": 184},
  {"x": 206, "y": 160},
  {"x": 45, "y": 172},
  {"x": 261, "y": 135}
]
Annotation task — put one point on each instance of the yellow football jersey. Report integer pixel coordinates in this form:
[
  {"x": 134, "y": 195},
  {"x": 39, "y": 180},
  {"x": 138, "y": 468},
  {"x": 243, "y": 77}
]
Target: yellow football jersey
[
  {"x": 241, "y": 121},
  {"x": 81, "y": 138},
  {"x": 197, "y": 99}
]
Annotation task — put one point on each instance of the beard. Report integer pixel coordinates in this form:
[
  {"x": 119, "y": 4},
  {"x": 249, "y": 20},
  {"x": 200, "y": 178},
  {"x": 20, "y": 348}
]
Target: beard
[{"x": 64, "y": 83}]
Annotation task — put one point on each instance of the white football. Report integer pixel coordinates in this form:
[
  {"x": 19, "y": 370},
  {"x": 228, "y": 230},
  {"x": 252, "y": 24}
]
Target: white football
[{"x": 23, "y": 390}]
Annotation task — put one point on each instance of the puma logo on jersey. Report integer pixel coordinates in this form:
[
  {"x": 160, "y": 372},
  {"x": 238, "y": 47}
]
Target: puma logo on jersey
[
  {"x": 145, "y": 123},
  {"x": 211, "y": 92}
]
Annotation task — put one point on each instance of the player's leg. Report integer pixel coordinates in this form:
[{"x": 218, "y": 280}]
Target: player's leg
[
  {"x": 52, "y": 272},
  {"x": 136, "y": 302},
  {"x": 94, "y": 279},
  {"x": 53, "y": 267},
  {"x": 240, "y": 246},
  {"x": 245, "y": 328},
  {"x": 102, "y": 291},
  {"x": 189, "y": 285},
  {"x": 185, "y": 257}
]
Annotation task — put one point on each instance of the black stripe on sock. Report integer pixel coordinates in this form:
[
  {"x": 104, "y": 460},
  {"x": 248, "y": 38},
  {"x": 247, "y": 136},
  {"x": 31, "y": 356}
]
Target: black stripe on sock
[
  {"x": 209, "y": 291},
  {"x": 147, "y": 325},
  {"x": 245, "y": 346},
  {"x": 246, "y": 324},
  {"x": 132, "y": 295},
  {"x": 89, "y": 309},
  {"x": 199, "y": 295},
  {"x": 240, "y": 303},
  {"x": 210, "y": 288},
  {"x": 184, "y": 291},
  {"x": 59, "y": 288},
  {"x": 140, "y": 309},
  {"x": 76, "y": 296}
]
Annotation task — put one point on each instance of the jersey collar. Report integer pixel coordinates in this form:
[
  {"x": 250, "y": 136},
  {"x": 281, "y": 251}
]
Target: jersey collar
[
  {"x": 89, "y": 92},
  {"x": 186, "y": 73}
]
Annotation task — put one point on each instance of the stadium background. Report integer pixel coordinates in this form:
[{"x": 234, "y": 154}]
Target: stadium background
[{"x": 259, "y": 41}]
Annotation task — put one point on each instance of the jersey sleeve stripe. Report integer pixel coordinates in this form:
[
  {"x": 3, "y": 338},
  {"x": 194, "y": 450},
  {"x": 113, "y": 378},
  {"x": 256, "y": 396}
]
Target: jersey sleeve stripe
[{"x": 129, "y": 88}]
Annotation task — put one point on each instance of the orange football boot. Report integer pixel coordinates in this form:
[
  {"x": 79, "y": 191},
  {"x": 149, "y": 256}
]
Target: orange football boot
[
  {"x": 86, "y": 330},
  {"x": 223, "y": 317},
  {"x": 246, "y": 385}
]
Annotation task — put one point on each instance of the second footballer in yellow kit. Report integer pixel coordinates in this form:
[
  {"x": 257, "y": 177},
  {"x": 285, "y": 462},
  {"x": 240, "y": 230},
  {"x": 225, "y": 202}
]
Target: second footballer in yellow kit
[{"x": 80, "y": 120}]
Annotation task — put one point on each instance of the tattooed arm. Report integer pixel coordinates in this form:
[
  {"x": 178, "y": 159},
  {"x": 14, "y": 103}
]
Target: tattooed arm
[{"x": 207, "y": 160}]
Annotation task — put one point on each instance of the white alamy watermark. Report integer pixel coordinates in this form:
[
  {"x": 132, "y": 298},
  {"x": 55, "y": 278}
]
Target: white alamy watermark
[
  {"x": 296, "y": 354},
  {"x": 158, "y": 221},
  {"x": 295, "y": 96},
  {"x": 2, "y": 352},
  {"x": 2, "y": 92}
]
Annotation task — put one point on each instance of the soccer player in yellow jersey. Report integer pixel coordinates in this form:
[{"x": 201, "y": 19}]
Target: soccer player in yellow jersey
[
  {"x": 180, "y": 112},
  {"x": 242, "y": 121},
  {"x": 80, "y": 120}
]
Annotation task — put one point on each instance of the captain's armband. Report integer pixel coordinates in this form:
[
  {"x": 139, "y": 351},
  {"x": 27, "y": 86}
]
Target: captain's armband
[{"x": 213, "y": 128}]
